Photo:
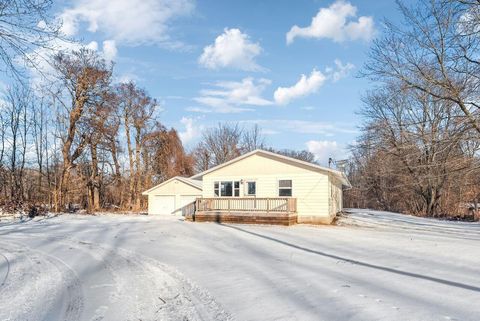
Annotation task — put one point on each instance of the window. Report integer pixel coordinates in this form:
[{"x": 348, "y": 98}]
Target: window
[
  {"x": 236, "y": 188},
  {"x": 285, "y": 187},
  {"x": 226, "y": 189},
  {"x": 251, "y": 189}
]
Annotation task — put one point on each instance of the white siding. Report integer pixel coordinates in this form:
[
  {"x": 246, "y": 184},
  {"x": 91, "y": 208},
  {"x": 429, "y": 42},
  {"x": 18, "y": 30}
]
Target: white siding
[
  {"x": 309, "y": 187},
  {"x": 336, "y": 196}
]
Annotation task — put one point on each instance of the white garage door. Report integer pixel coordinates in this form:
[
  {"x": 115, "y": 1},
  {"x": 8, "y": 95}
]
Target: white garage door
[{"x": 163, "y": 204}]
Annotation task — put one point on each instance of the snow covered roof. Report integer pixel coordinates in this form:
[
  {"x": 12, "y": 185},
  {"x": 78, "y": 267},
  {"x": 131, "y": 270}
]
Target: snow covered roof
[
  {"x": 340, "y": 175},
  {"x": 189, "y": 181}
]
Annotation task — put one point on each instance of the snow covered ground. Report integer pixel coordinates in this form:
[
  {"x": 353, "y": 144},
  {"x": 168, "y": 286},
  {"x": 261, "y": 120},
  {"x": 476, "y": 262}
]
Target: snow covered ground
[{"x": 372, "y": 266}]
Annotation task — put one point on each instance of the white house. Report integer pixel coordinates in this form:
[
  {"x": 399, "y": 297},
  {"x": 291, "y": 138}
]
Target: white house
[{"x": 258, "y": 187}]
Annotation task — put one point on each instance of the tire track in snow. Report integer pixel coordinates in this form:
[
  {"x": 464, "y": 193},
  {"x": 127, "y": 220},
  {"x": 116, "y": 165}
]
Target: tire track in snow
[
  {"x": 373, "y": 219},
  {"x": 143, "y": 288},
  {"x": 165, "y": 294},
  {"x": 7, "y": 262},
  {"x": 29, "y": 282}
]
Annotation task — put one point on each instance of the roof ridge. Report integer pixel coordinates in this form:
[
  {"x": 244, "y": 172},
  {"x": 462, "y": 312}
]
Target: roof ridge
[{"x": 186, "y": 180}]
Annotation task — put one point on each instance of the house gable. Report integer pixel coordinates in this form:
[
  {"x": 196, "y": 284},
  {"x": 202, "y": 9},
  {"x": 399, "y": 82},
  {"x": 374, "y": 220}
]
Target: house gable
[
  {"x": 175, "y": 185},
  {"x": 259, "y": 164},
  {"x": 279, "y": 158}
]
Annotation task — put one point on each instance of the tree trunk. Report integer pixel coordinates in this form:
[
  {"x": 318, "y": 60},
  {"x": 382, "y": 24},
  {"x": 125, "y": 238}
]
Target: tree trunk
[
  {"x": 118, "y": 175},
  {"x": 62, "y": 189},
  {"x": 94, "y": 184},
  {"x": 138, "y": 168},
  {"x": 68, "y": 157},
  {"x": 131, "y": 161}
]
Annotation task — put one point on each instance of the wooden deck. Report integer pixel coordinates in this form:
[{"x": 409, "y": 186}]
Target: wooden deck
[
  {"x": 276, "y": 211},
  {"x": 246, "y": 218}
]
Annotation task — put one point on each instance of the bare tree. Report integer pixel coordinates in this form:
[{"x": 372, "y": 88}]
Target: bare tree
[
  {"x": 435, "y": 51},
  {"x": 223, "y": 142},
  {"x": 411, "y": 152},
  {"x": 227, "y": 141},
  {"x": 111, "y": 144},
  {"x": 303, "y": 155},
  {"x": 252, "y": 139},
  {"x": 96, "y": 137},
  {"x": 18, "y": 102},
  {"x": 166, "y": 155},
  {"x": 137, "y": 109},
  {"x": 2, "y": 135},
  {"x": 39, "y": 119},
  {"x": 25, "y": 26},
  {"x": 83, "y": 78},
  {"x": 202, "y": 157}
]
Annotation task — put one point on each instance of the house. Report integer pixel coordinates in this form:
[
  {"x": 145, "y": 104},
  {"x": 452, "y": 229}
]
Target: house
[{"x": 258, "y": 187}]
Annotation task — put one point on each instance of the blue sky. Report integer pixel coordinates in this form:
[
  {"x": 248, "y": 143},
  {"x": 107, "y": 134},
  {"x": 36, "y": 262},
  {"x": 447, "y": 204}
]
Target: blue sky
[{"x": 216, "y": 61}]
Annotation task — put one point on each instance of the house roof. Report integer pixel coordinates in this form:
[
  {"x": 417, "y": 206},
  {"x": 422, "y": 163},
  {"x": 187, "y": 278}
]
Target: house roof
[
  {"x": 340, "y": 175},
  {"x": 189, "y": 181}
]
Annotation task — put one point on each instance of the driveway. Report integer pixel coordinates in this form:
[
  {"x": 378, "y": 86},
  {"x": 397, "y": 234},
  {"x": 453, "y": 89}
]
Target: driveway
[{"x": 372, "y": 266}]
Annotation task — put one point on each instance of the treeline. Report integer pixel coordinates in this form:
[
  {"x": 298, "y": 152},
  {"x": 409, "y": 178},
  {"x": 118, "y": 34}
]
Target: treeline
[
  {"x": 80, "y": 141},
  {"x": 419, "y": 150}
]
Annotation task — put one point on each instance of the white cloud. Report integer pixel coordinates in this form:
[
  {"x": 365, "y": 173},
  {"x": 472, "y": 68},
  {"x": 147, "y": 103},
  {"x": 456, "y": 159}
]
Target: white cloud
[
  {"x": 128, "y": 77},
  {"x": 126, "y": 21},
  {"x": 233, "y": 96},
  {"x": 335, "y": 23},
  {"x": 192, "y": 130},
  {"x": 324, "y": 149},
  {"x": 269, "y": 132},
  {"x": 203, "y": 110},
  {"x": 231, "y": 49},
  {"x": 110, "y": 50},
  {"x": 305, "y": 126},
  {"x": 92, "y": 46},
  {"x": 304, "y": 86},
  {"x": 311, "y": 84},
  {"x": 341, "y": 71}
]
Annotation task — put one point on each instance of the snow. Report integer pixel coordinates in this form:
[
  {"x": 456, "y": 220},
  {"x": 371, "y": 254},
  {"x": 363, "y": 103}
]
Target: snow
[{"x": 371, "y": 266}]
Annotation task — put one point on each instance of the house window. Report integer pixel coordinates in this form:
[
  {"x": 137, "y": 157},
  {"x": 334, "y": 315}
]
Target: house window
[
  {"x": 236, "y": 188},
  {"x": 227, "y": 188},
  {"x": 285, "y": 187},
  {"x": 251, "y": 189}
]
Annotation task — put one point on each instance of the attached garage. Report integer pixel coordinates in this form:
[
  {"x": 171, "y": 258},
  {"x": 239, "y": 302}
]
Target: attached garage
[
  {"x": 172, "y": 196},
  {"x": 161, "y": 204}
]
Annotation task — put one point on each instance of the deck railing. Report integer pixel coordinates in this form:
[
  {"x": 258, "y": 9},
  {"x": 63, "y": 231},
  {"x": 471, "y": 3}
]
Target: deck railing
[
  {"x": 247, "y": 204},
  {"x": 189, "y": 209}
]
